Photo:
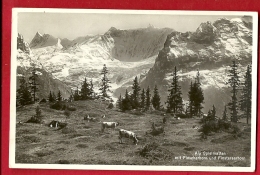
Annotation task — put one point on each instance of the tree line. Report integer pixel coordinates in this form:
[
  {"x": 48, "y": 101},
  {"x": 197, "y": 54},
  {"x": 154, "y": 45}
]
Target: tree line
[
  {"x": 141, "y": 99},
  {"x": 27, "y": 93}
]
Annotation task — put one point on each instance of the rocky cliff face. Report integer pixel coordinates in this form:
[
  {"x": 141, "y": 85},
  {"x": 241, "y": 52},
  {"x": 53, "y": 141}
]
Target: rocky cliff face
[
  {"x": 137, "y": 44},
  {"x": 210, "y": 49},
  {"x": 22, "y": 45},
  {"x": 40, "y": 41}
]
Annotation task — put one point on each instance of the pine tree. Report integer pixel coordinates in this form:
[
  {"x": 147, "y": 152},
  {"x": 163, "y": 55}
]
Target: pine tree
[
  {"x": 198, "y": 96},
  {"x": 126, "y": 102},
  {"x": 234, "y": 84},
  {"x": 245, "y": 101},
  {"x": 91, "y": 90},
  {"x": 119, "y": 102},
  {"x": 142, "y": 103},
  {"x": 174, "y": 100},
  {"x": 33, "y": 84},
  {"x": 148, "y": 98},
  {"x": 191, "y": 100},
  {"x": 105, "y": 83},
  {"x": 135, "y": 95},
  {"x": 50, "y": 98},
  {"x": 59, "y": 97},
  {"x": 76, "y": 95},
  {"x": 224, "y": 118},
  {"x": 85, "y": 90},
  {"x": 156, "y": 99},
  {"x": 213, "y": 113},
  {"x": 54, "y": 97},
  {"x": 23, "y": 93}
]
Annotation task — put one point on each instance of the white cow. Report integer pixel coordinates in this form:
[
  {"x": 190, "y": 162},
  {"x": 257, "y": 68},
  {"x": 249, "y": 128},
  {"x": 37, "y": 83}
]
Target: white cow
[
  {"x": 127, "y": 134},
  {"x": 108, "y": 125}
]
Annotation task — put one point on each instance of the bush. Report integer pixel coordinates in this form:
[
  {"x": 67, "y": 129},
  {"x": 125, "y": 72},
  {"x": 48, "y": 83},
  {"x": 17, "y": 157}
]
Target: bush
[
  {"x": 110, "y": 106},
  {"x": 182, "y": 115},
  {"x": 148, "y": 148},
  {"x": 37, "y": 118},
  {"x": 57, "y": 105},
  {"x": 43, "y": 100},
  {"x": 214, "y": 126}
]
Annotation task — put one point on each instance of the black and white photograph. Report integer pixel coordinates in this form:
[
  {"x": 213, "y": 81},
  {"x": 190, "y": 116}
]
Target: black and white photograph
[{"x": 133, "y": 90}]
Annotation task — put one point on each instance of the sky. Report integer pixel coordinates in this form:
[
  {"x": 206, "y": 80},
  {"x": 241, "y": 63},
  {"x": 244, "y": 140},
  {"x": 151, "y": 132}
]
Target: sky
[{"x": 73, "y": 25}]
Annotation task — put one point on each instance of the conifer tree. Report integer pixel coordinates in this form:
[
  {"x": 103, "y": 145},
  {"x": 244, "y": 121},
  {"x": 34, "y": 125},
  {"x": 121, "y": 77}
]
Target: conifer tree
[
  {"x": 224, "y": 117},
  {"x": 54, "y": 97},
  {"x": 119, "y": 102},
  {"x": 234, "y": 85},
  {"x": 148, "y": 98},
  {"x": 84, "y": 93},
  {"x": 76, "y": 95},
  {"x": 156, "y": 99},
  {"x": 198, "y": 96},
  {"x": 191, "y": 100},
  {"x": 50, "y": 98},
  {"x": 135, "y": 95},
  {"x": 174, "y": 100},
  {"x": 59, "y": 97},
  {"x": 246, "y": 101},
  {"x": 23, "y": 93},
  {"x": 91, "y": 89},
  {"x": 142, "y": 103},
  {"x": 104, "y": 88},
  {"x": 213, "y": 113},
  {"x": 126, "y": 102},
  {"x": 33, "y": 84}
]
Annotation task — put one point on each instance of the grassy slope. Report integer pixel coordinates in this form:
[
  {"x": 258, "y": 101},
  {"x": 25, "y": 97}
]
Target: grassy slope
[{"x": 81, "y": 142}]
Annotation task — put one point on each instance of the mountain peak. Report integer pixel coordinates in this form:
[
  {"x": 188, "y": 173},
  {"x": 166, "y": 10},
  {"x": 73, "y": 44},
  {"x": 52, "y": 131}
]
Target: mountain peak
[{"x": 38, "y": 34}]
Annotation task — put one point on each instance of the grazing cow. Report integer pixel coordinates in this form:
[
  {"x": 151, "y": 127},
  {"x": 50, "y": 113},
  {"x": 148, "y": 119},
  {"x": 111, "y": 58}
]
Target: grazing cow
[
  {"x": 92, "y": 119},
  {"x": 108, "y": 125},
  {"x": 127, "y": 134}
]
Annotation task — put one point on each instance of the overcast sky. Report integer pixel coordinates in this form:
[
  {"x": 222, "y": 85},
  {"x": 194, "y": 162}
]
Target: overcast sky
[{"x": 72, "y": 25}]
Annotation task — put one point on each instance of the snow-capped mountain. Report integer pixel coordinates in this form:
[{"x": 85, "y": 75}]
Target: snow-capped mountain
[
  {"x": 210, "y": 49},
  {"x": 151, "y": 54},
  {"x": 126, "y": 53},
  {"x": 26, "y": 62}
]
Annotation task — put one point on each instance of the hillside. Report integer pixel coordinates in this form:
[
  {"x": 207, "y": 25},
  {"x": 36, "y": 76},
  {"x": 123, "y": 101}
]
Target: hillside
[{"x": 82, "y": 142}]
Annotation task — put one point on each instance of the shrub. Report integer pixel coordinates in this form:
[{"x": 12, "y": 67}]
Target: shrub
[
  {"x": 214, "y": 126},
  {"x": 37, "y": 118},
  {"x": 57, "y": 105},
  {"x": 144, "y": 152},
  {"x": 182, "y": 115},
  {"x": 110, "y": 106},
  {"x": 43, "y": 100}
]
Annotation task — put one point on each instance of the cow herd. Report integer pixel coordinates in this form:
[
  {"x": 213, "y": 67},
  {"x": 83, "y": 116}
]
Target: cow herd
[{"x": 113, "y": 125}]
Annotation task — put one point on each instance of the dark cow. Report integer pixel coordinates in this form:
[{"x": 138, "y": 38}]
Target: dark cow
[
  {"x": 108, "y": 125},
  {"x": 127, "y": 134}
]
